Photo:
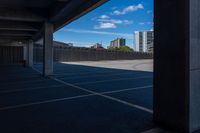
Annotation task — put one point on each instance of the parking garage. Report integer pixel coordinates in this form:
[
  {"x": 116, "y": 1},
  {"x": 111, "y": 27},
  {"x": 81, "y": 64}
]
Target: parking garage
[{"x": 29, "y": 102}]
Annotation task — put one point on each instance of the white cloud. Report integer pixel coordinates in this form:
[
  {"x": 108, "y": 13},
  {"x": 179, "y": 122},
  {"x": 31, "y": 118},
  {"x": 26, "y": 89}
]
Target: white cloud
[
  {"x": 110, "y": 23},
  {"x": 151, "y": 29},
  {"x": 114, "y": 8},
  {"x": 128, "y": 9},
  {"x": 145, "y": 23},
  {"x": 149, "y": 12},
  {"x": 79, "y": 44},
  {"x": 105, "y": 25},
  {"x": 128, "y": 22},
  {"x": 125, "y": 35},
  {"x": 149, "y": 23},
  {"x": 115, "y": 21},
  {"x": 104, "y": 17},
  {"x": 117, "y": 12},
  {"x": 82, "y": 44},
  {"x": 105, "y": 22},
  {"x": 141, "y": 23}
]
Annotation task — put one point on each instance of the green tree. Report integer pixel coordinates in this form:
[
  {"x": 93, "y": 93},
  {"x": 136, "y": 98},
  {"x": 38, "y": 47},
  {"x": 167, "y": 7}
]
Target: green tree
[{"x": 122, "y": 48}]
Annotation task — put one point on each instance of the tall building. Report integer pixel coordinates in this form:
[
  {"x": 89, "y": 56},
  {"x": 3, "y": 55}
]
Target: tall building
[
  {"x": 144, "y": 41},
  {"x": 117, "y": 43}
]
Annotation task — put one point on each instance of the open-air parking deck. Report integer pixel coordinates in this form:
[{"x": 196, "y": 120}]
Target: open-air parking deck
[{"x": 76, "y": 99}]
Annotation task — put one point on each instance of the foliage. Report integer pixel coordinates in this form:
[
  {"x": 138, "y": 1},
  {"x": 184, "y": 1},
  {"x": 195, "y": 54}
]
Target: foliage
[{"x": 122, "y": 48}]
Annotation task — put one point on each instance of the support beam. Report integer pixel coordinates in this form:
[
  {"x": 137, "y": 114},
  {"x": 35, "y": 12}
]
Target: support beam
[
  {"x": 15, "y": 38},
  {"x": 177, "y": 64},
  {"x": 48, "y": 49},
  {"x": 25, "y": 49},
  {"x": 38, "y": 35},
  {"x": 30, "y": 53},
  {"x": 22, "y": 14},
  {"x": 27, "y": 4},
  {"x": 17, "y": 33},
  {"x": 19, "y": 26},
  {"x": 73, "y": 10}
]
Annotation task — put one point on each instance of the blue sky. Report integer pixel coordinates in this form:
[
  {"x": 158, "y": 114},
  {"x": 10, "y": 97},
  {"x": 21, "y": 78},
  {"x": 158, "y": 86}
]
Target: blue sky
[{"x": 116, "y": 18}]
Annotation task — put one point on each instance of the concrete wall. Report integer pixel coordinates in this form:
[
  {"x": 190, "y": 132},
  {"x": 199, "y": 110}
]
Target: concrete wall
[
  {"x": 177, "y": 64},
  {"x": 194, "y": 65},
  {"x": 171, "y": 52},
  {"x": 11, "y": 55},
  {"x": 86, "y": 54}
]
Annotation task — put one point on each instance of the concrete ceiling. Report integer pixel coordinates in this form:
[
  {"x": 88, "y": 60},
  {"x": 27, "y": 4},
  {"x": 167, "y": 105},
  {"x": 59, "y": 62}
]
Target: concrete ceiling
[{"x": 24, "y": 19}]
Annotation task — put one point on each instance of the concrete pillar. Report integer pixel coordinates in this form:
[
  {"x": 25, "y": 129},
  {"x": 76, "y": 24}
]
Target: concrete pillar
[
  {"x": 30, "y": 54},
  {"x": 194, "y": 71},
  {"x": 25, "y": 49},
  {"x": 177, "y": 64},
  {"x": 48, "y": 49}
]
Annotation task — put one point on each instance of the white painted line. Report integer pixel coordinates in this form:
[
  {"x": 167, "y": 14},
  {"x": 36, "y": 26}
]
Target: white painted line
[
  {"x": 127, "y": 103},
  {"x": 42, "y": 102},
  {"x": 105, "y": 96},
  {"x": 129, "y": 89},
  {"x": 36, "y": 70},
  {"x": 156, "y": 130},
  {"x": 24, "y": 82},
  {"x": 18, "y": 72},
  {"x": 96, "y": 75},
  {"x": 80, "y": 73},
  {"x": 68, "y": 98},
  {"x": 108, "y": 97},
  {"x": 29, "y": 89},
  {"x": 111, "y": 80}
]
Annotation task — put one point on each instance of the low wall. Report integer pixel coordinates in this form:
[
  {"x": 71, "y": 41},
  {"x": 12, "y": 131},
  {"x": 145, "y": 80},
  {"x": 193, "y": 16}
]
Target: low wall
[
  {"x": 11, "y": 55},
  {"x": 86, "y": 54}
]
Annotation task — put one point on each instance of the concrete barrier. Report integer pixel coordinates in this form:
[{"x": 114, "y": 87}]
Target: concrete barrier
[{"x": 87, "y": 54}]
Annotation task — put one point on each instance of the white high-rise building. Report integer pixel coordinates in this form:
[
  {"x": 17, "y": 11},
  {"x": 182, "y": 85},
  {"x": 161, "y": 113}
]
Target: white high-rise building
[{"x": 144, "y": 41}]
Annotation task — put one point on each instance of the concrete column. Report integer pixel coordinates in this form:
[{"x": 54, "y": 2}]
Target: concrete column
[
  {"x": 48, "y": 49},
  {"x": 177, "y": 64},
  {"x": 194, "y": 71},
  {"x": 25, "y": 52},
  {"x": 30, "y": 54}
]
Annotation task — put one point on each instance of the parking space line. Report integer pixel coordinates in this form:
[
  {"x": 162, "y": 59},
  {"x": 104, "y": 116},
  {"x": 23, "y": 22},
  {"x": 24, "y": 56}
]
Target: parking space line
[
  {"x": 19, "y": 82},
  {"x": 104, "y": 81},
  {"x": 107, "y": 97},
  {"x": 69, "y": 74},
  {"x": 42, "y": 102},
  {"x": 36, "y": 70},
  {"x": 29, "y": 89},
  {"x": 96, "y": 75},
  {"x": 129, "y": 89},
  {"x": 75, "y": 97},
  {"x": 157, "y": 130},
  {"x": 15, "y": 73}
]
